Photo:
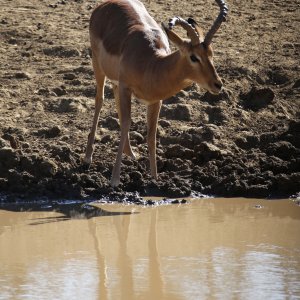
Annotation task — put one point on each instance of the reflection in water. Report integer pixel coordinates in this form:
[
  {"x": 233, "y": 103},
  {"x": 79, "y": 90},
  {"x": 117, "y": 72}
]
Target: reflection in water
[
  {"x": 258, "y": 263},
  {"x": 208, "y": 249}
]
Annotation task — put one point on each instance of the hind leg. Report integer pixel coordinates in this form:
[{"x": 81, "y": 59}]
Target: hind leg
[
  {"x": 127, "y": 147},
  {"x": 100, "y": 79},
  {"x": 125, "y": 112}
]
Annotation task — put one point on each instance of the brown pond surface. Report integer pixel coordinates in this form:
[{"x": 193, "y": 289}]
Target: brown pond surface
[{"x": 206, "y": 249}]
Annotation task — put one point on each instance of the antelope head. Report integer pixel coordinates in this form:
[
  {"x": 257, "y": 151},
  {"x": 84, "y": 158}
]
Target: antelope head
[{"x": 197, "y": 52}]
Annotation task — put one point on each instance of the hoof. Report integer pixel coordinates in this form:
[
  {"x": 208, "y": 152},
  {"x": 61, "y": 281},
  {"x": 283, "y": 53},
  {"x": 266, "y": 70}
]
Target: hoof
[
  {"x": 85, "y": 163},
  {"x": 84, "y": 167},
  {"x": 114, "y": 182},
  {"x": 86, "y": 160}
]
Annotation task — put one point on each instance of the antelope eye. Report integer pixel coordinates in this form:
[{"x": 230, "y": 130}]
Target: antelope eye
[{"x": 194, "y": 58}]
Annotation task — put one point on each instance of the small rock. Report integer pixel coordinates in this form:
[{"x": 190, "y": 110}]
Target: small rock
[
  {"x": 174, "y": 151},
  {"x": 60, "y": 91},
  {"x": 75, "y": 82},
  {"x": 216, "y": 115},
  {"x": 70, "y": 105},
  {"x": 167, "y": 140},
  {"x": 150, "y": 202},
  {"x": 106, "y": 139},
  {"x": 61, "y": 51},
  {"x": 49, "y": 132},
  {"x": 111, "y": 123},
  {"x": 13, "y": 41},
  {"x": 19, "y": 131},
  {"x": 206, "y": 151},
  {"x": 210, "y": 132},
  {"x": 64, "y": 153},
  {"x": 47, "y": 167},
  {"x": 134, "y": 135},
  {"x": 248, "y": 142},
  {"x": 25, "y": 145},
  {"x": 180, "y": 112},
  {"x": 84, "y": 70},
  {"x": 54, "y": 132},
  {"x": 43, "y": 91},
  {"x": 177, "y": 165},
  {"x": 13, "y": 140},
  {"x": 23, "y": 75},
  {"x": 65, "y": 137},
  {"x": 257, "y": 99},
  {"x": 176, "y": 201},
  {"x": 26, "y": 54},
  {"x": 277, "y": 77},
  {"x": 212, "y": 99},
  {"x": 258, "y": 206},
  {"x": 69, "y": 76},
  {"x": 164, "y": 123},
  {"x": 136, "y": 176},
  {"x": 89, "y": 92}
]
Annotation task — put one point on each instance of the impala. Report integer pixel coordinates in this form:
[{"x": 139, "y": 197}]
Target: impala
[{"x": 132, "y": 50}]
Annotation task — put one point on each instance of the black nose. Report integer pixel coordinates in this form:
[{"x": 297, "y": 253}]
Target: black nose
[{"x": 218, "y": 85}]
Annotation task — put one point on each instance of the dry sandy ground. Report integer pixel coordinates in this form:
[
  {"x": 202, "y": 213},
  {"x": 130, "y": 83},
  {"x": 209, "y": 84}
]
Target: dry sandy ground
[{"x": 244, "y": 142}]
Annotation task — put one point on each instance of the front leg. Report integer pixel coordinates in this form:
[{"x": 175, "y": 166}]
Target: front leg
[
  {"x": 125, "y": 116},
  {"x": 152, "y": 118}
]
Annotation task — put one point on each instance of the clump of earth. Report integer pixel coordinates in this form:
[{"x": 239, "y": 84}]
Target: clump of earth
[{"x": 243, "y": 142}]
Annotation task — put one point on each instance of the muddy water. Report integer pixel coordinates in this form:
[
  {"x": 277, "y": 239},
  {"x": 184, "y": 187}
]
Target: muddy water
[{"x": 206, "y": 249}]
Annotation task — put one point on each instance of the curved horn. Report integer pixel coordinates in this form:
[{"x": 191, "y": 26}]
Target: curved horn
[
  {"x": 192, "y": 33},
  {"x": 196, "y": 28},
  {"x": 221, "y": 17}
]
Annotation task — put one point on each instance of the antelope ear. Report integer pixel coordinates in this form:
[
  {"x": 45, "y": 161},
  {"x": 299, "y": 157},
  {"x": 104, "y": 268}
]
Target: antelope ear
[{"x": 172, "y": 36}]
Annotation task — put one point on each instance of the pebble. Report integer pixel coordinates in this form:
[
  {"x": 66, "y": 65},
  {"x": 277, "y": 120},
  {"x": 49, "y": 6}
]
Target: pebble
[
  {"x": 23, "y": 75},
  {"x": 69, "y": 76},
  {"x": 111, "y": 123},
  {"x": 48, "y": 167},
  {"x": 257, "y": 98},
  {"x": 61, "y": 51},
  {"x": 179, "y": 112},
  {"x": 164, "y": 123},
  {"x": 258, "y": 206},
  {"x": 134, "y": 135},
  {"x": 60, "y": 91}
]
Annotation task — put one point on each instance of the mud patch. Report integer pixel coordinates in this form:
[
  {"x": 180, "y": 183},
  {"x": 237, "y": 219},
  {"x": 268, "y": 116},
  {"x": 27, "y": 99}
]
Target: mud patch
[{"x": 243, "y": 142}]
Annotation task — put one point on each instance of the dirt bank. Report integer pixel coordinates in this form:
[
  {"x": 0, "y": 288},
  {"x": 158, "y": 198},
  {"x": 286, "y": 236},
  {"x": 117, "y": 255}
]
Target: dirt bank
[{"x": 245, "y": 142}]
